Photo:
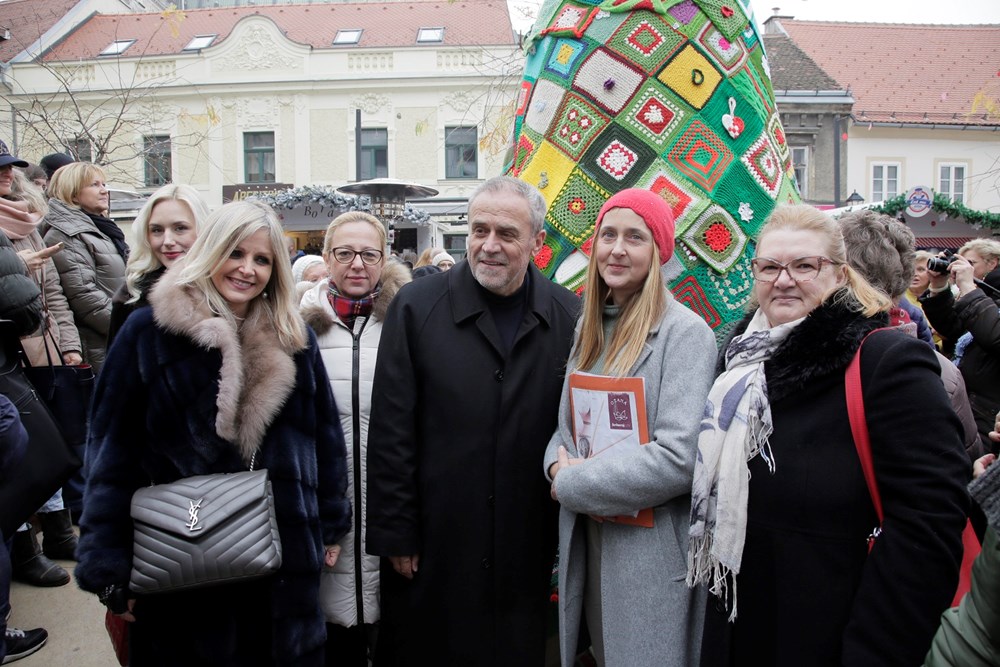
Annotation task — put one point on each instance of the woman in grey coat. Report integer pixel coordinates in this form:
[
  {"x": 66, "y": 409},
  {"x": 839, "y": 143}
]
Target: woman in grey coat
[
  {"x": 91, "y": 264},
  {"x": 627, "y": 580}
]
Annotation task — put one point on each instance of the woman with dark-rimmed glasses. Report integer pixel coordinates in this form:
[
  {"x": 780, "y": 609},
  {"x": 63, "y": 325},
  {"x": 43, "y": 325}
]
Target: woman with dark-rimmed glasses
[
  {"x": 346, "y": 312},
  {"x": 780, "y": 509}
]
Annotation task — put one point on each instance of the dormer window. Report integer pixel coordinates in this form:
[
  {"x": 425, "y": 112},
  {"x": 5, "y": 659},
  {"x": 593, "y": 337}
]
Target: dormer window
[
  {"x": 200, "y": 42},
  {"x": 425, "y": 35},
  {"x": 117, "y": 47},
  {"x": 348, "y": 36}
]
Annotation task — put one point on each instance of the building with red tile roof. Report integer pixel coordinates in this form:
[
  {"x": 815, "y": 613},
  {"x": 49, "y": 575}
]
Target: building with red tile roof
[
  {"x": 269, "y": 96},
  {"x": 917, "y": 117}
]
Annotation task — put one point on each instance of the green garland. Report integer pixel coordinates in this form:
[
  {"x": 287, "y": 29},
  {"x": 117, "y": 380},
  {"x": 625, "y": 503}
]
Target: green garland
[
  {"x": 942, "y": 204},
  {"x": 329, "y": 196}
]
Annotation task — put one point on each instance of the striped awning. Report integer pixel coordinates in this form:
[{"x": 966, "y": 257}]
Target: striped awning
[{"x": 942, "y": 242}]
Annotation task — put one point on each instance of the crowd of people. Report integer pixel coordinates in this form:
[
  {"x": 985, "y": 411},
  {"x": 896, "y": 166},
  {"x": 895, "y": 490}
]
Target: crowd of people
[{"x": 429, "y": 471}]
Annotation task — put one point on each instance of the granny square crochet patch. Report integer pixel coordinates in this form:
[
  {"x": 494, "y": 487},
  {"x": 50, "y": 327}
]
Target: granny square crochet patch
[
  {"x": 691, "y": 76},
  {"x": 673, "y": 96},
  {"x": 575, "y": 208},
  {"x": 763, "y": 164},
  {"x": 577, "y": 123},
  {"x": 653, "y": 115},
  {"x": 728, "y": 54},
  {"x": 716, "y": 238},
  {"x": 565, "y": 57},
  {"x": 608, "y": 79},
  {"x": 545, "y": 100},
  {"x": 617, "y": 159},
  {"x": 646, "y": 40},
  {"x": 700, "y": 155},
  {"x": 571, "y": 20}
]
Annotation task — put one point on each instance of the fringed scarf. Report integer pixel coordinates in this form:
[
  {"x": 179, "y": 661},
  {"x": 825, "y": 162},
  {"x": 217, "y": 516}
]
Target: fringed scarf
[
  {"x": 349, "y": 309},
  {"x": 735, "y": 428}
]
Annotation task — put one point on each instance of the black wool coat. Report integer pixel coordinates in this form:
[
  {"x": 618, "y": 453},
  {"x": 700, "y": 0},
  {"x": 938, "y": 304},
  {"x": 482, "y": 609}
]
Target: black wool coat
[
  {"x": 181, "y": 395},
  {"x": 808, "y": 591},
  {"x": 975, "y": 313},
  {"x": 458, "y": 432}
]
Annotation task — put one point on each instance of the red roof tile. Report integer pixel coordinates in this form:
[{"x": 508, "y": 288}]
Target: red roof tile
[
  {"x": 390, "y": 24},
  {"x": 907, "y": 73},
  {"x": 28, "y": 20}
]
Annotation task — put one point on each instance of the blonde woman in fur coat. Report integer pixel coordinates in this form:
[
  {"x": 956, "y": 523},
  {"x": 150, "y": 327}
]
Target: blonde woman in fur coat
[
  {"x": 346, "y": 312},
  {"x": 219, "y": 369}
]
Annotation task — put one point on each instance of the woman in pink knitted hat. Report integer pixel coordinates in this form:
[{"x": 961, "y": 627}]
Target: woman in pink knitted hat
[{"x": 626, "y": 579}]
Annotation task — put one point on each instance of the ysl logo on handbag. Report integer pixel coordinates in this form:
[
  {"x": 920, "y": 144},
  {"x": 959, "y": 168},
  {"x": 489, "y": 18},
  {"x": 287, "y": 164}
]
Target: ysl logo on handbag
[{"x": 193, "y": 515}]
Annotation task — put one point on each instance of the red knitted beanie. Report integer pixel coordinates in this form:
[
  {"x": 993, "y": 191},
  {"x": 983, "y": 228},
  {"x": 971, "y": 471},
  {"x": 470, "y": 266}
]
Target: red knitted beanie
[{"x": 654, "y": 212}]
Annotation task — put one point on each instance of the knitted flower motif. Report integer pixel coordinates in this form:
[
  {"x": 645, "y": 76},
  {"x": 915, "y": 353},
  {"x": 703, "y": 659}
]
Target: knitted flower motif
[
  {"x": 543, "y": 257},
  {"x": 587, "y": 246},
  {"x": 576, "y": 206},
  {"x": 718, "y": 237}
]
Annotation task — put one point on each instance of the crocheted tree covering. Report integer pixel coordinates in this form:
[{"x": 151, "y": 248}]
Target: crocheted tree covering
[{"x": 670, "y": 95}]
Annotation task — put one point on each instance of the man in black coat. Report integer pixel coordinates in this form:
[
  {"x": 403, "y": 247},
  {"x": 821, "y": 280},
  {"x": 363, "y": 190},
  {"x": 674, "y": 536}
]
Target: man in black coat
[{"x": 466, "y": 391}]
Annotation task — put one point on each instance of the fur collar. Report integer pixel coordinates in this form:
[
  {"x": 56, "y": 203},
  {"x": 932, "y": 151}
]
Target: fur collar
[
  {"x": 257, "y": 376},
  {"x": 319, "y": 315},
  {"x": 823, "y": 343}
]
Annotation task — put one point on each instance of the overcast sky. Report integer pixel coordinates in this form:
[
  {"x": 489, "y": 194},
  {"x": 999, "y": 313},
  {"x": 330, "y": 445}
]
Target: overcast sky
[{"x": 880, "y": 11}]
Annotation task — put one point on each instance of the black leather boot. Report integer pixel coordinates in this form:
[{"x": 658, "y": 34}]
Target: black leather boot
[
  {"x": 30, "y": 565},
  {"x": 58, "y": 538}
]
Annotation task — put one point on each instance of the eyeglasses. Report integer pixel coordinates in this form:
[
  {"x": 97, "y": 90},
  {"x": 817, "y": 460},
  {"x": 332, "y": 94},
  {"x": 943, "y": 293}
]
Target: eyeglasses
[
  {"x": 369, "y": 256},
  {"x": 803, "y": 269}
]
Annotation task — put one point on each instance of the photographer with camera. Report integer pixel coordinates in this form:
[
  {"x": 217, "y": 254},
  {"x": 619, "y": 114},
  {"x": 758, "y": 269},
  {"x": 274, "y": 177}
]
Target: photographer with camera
[{"x": 968, "y": 317}]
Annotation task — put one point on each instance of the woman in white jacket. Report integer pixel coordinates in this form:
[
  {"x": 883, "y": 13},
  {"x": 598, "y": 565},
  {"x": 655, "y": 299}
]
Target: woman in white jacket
[{"x": 346, "y": 312}]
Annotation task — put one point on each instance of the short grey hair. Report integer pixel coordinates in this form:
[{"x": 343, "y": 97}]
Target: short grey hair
[
  {"x": 986, "y": 248},
  {"x": 523, "y": 189},
  {"x": 880, "y": 248}
]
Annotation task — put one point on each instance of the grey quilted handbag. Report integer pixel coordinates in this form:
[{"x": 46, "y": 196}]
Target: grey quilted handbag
[{"x": 202, "y": 531}]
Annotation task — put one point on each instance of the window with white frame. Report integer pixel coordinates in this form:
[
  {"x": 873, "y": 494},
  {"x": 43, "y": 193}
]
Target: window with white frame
[
  {"x": 156, "y": 160},
  {"x": 199, "y": 42},
  {"x": 885, "y": 181},
  {"x": 425, "y": 35},
  {"x": 347, "y": 36},
  {"x": 258, "y": 157},
  {"x": 461, "y": 157},
  {"x": 800, "y": 163},
  {"x": 951, "y": 182}
]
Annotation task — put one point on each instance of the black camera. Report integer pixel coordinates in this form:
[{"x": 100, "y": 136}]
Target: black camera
[{"x": 941, "y": 264}]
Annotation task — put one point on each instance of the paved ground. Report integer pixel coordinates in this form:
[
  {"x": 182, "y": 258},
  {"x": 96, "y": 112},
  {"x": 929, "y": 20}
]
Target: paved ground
[{"x": 74, "y": 620}]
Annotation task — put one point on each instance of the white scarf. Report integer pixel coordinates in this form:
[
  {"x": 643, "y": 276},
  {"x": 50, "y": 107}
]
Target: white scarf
[{"x": 735, "y": 428}]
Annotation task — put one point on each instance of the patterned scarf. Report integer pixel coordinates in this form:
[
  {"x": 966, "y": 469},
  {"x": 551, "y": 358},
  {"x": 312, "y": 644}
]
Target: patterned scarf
[
  {"x": 735, "y": 428},
  {"x": 349, "y": 309}
]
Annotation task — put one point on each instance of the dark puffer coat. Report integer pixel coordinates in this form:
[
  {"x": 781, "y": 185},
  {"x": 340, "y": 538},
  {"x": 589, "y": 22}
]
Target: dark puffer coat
[
  {"x": 183, "y": 395},
  {"x": 808, "y": 591},
  {"x": 20, "y": 298}
]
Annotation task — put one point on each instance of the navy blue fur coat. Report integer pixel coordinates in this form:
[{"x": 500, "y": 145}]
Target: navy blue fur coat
[{"x": 181, "y": 394}]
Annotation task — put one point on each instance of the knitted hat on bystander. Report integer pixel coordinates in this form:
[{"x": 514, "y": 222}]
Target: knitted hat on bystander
[{"x": 653, "y": 210}]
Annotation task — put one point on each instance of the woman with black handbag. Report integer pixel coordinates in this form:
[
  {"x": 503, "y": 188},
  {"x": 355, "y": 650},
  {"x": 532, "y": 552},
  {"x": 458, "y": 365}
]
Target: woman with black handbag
[
  {"x": 221, "y": 372},
  {"x": 55, "y": 342}
]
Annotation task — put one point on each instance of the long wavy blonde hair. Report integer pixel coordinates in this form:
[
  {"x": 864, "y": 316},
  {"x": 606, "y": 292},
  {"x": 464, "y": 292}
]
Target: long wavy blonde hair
[{"x": 224, "y": 230}]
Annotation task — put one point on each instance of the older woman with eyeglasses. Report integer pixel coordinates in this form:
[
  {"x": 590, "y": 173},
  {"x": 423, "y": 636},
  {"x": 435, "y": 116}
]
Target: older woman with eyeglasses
[
  {"x": 346, "y": 312},
  {"x": 781, "y": 512}
]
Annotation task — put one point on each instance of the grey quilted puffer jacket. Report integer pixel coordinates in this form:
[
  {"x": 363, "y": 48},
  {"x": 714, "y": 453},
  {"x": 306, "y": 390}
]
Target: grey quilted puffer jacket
[{"x": 90, "y": 270}]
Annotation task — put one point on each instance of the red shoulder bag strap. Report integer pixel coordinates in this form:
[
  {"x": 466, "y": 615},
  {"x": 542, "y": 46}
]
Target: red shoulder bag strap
[{"x": 859, "y": 429}]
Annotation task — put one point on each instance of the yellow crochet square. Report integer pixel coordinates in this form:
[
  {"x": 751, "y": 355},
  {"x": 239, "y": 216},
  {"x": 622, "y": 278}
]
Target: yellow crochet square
[
  {"x": 548, "y": 171},
  {"x": 691, "y": 76}
]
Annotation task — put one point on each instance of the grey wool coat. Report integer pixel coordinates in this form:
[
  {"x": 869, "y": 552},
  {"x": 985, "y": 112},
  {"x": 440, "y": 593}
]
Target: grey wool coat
[
  {"x": 90, "y": 270},
  {"x": 650, "y": 616}
]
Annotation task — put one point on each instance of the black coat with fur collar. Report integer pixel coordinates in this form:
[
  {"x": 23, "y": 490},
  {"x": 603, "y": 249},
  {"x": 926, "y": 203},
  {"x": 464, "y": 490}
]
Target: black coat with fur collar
[
  {"x": 182, "y": 394},
  {"x": 808, "y": 591}
]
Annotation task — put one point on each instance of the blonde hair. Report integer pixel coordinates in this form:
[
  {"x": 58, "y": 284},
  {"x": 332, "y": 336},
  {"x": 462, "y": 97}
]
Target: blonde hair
[
  {"x": 858, "y": 292},
  {"x": 426, "y": 256},
  {"x": 986, "y": 248},
  {"x": 922, "y": 256},
  {"x": 354, "y": 216},
  {"x": 22, "y": 189},
  {"x": 225, "y": 229},
  {"x": 142, "y": 260},
  {"x": 637, "y": 318},
  {"x": 68, "y": 181}
]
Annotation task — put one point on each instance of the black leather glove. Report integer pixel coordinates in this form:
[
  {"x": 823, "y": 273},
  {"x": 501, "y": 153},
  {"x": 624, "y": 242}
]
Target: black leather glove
[{"x": 115, "y": 598}]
